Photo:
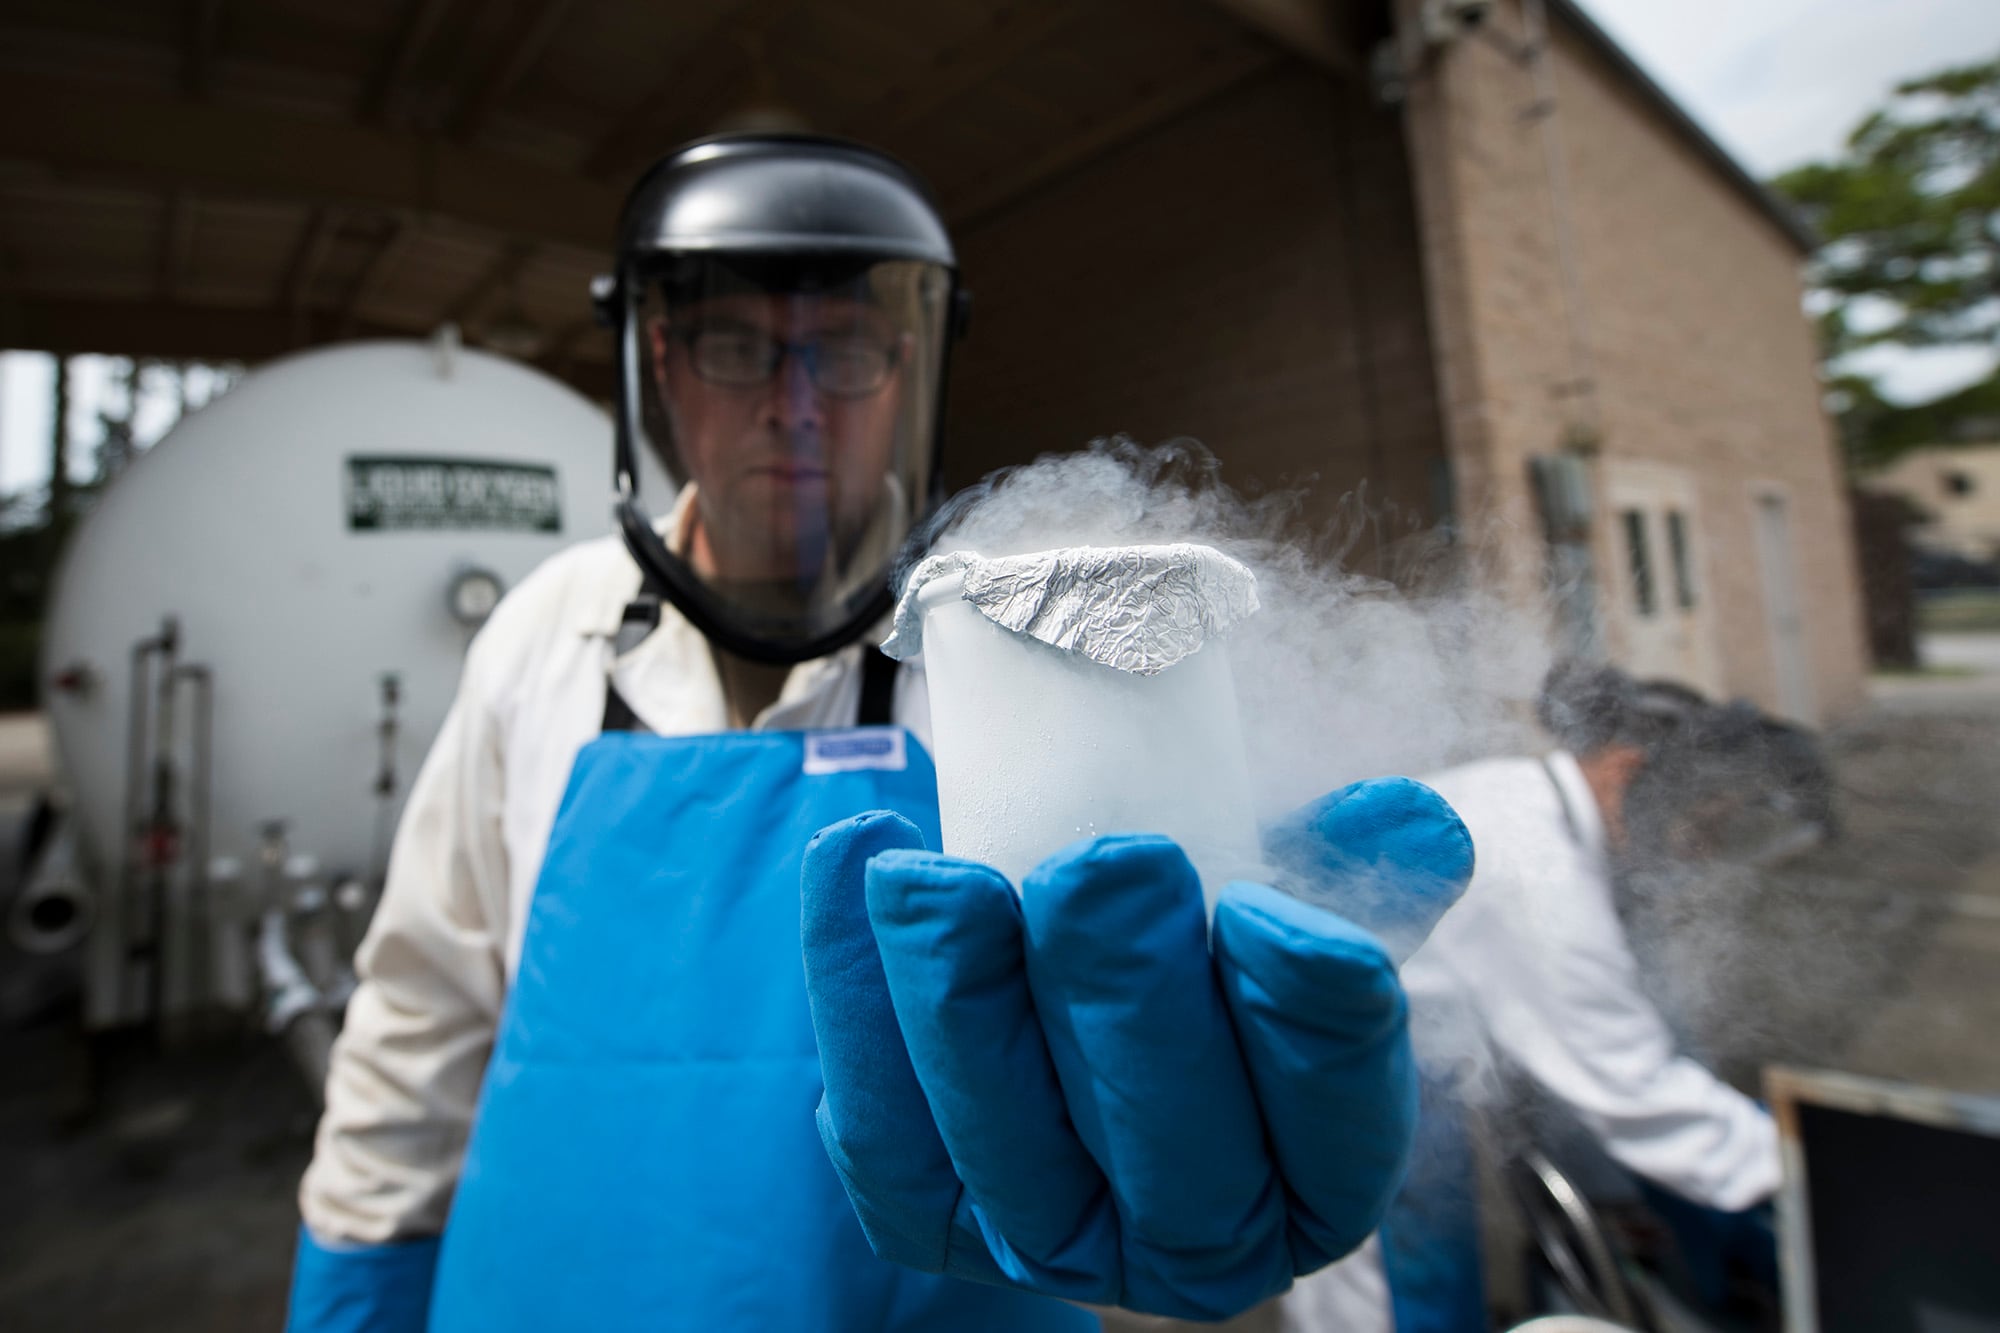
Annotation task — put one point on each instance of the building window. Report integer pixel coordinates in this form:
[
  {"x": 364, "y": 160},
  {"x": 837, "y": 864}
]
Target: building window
[
  {"x": 1958, "y": 485},
  {"x": 1677, "y": 551},
  {"x": 1641, "y": 559}
]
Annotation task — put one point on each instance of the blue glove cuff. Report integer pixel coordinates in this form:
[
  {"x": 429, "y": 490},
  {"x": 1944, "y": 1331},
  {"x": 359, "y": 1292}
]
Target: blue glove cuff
[{"x": 347, "y": 1287}]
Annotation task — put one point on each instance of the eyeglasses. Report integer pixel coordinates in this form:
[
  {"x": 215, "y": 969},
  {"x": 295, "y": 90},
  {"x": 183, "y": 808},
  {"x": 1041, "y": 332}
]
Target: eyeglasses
[{"x": 839, "y": 365}]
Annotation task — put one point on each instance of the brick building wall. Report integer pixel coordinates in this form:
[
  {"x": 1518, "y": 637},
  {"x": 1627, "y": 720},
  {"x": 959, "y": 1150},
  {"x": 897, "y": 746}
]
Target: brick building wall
[
  {"x": 1246, "y": 274},
  {"x": 1702, "y": 362}
]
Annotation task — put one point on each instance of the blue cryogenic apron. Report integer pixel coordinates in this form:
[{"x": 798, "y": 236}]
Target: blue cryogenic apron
[{"x": 645, "y": 1155}]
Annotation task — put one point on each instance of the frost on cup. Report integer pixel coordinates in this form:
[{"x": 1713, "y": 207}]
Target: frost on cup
[{"x": 1082, "y": 691}]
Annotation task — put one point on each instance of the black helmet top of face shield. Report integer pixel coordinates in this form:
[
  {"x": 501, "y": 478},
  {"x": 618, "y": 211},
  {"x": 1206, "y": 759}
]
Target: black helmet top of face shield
[{"x": 782, "y": 308}]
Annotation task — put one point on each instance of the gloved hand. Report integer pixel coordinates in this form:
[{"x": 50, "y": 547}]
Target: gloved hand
[
  {"x": 1087, "y": 1090},
  {"x": 355, "y": 1288}
]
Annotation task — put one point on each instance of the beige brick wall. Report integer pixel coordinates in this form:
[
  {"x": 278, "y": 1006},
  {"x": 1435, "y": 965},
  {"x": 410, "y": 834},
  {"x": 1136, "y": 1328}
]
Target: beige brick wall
[
  {"x": 1246, "y": 274},
  {"x": 1258, "y": 273},
  {"x": 1690, "y": 296}
]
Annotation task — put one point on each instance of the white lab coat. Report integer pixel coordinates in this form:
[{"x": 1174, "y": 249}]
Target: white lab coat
[
  {"x": 1531, "y": 968},
  {"x": 441, "y": 951}
]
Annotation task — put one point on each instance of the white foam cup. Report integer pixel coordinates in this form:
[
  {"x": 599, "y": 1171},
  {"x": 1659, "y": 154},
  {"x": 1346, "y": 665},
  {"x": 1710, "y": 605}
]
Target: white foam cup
[{"x": 1038, "y": 746}]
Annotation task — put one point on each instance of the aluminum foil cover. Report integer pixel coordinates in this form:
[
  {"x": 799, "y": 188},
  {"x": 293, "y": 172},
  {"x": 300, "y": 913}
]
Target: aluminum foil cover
[{"x": 1137, "y": 608}]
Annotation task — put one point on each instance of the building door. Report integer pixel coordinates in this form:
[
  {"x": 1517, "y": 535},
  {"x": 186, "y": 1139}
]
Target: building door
[
  {"x": 1781, "y": 606},
  {"x": 1658, "y": 593}
]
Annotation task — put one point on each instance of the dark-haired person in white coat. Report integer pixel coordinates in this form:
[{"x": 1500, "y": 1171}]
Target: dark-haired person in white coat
[{"x": 1531, "y": 977}]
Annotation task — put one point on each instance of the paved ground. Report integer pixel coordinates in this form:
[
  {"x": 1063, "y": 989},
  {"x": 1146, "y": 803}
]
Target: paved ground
[
  {"x": 144, "y": 1189},
  {"x": 1883, "y": 948},
  {"x": 1878, "y": 953},
  {"x": 1924, "y": 794},
  {"x": 171, "y": 1208}
]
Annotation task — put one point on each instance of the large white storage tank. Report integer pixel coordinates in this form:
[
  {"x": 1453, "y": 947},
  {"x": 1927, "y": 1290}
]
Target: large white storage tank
[{"x": 253, "y": 638}]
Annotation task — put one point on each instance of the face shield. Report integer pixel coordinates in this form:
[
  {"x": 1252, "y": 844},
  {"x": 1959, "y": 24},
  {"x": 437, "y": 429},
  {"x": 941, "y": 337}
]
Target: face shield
[
  {"x": 1734, "y": 789},
  {"x": 795, "y": 409},
  {"x": 790, "y": 384}
]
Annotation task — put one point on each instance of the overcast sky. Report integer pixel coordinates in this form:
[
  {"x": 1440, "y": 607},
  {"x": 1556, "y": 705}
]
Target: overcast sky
[
  {"x": 1782, "y": 82},
  {"x": 1777, "y": 82}
]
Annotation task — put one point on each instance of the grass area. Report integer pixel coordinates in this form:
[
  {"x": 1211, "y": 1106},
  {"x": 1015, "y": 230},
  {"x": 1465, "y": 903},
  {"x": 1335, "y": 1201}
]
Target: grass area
[{"x": 1961, "y": 610}]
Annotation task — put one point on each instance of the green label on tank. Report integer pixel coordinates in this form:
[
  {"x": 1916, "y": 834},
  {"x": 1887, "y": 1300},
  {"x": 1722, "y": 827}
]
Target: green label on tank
[{"x": 397, "y": 494}]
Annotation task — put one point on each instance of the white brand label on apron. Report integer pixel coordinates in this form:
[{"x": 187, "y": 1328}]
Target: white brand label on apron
[{"x": 863, "y": 747}]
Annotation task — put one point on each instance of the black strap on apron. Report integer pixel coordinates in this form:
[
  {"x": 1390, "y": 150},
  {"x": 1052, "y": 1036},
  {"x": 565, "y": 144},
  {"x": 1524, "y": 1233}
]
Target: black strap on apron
[
  {"x": 641, "y": 617},
  {"x": 878, "y": 689},
  {"x": 618, "y": 715}
]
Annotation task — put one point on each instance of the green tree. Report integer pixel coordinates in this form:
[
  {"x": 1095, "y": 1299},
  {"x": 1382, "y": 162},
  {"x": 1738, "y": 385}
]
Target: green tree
[{"x": 1910, "y": 216}]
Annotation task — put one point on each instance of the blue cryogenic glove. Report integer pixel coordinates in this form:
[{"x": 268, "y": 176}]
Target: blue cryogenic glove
[
  {"x": 356, "y": 1288},
  {"x": 1088, "y": 1091},
  {"x": 1388, "y": 854}
]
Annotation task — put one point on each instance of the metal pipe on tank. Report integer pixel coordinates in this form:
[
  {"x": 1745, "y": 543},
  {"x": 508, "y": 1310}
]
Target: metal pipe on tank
[
  {"x": 309, "y": 1041},
  {"x": 231, "y": 935},
  {"x": 192, "y": 853},
  {"x": 294, "y": 1010},
  {"x": 297, "y": 1009},
  {"x": 387, "y": 732},
  {"x": 140, "y": 906},
  {"x": 309, "y": 920},
  {"x": 55, "y": 908},
  {"x": 353, "y": 906},
  {"x": 158, "y": 844}
]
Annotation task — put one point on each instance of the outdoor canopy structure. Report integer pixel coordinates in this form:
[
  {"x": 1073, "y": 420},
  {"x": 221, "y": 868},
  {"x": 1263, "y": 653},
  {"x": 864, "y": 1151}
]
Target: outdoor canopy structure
[
  {"x": 1371, "y": 242},
  {"x": 230, "y": 180}
]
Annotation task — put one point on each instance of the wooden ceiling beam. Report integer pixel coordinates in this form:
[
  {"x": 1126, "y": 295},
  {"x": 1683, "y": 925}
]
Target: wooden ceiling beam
[
  {"x": 562, "y": 347},
  {"x": 309, "y": 253},
  {"x": 560, "y": 357},
  {"x": 997, "y": 190},
  {"x": 506, "y": 266},
  {"x": 200, "y": 32},
  {"x": 1009, "y": 36},
  {"x": 1312, "y": 29},
  {"x": 165, "y": 329},
  {"x": 176, "y": 245},
  {"x": 385, "y": 81},
  {"x": 184, "y": 332},
  {"x": 534, "y": 28},
  {"x": 641, "y": 133},
  {"x": 167, "y": 142},
  {"x": 396, "y": 238}
]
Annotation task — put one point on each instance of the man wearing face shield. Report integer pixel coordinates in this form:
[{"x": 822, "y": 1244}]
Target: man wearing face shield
[
  {"x": 661, "y": 890},
  {"x": 1531, "y": 977}
]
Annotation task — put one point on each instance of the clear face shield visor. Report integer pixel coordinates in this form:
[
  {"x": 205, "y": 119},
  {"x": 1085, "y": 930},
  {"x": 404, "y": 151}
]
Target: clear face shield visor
[
  {"x": 794, "y": 404},
  {"x": 1756, "y": 804}
]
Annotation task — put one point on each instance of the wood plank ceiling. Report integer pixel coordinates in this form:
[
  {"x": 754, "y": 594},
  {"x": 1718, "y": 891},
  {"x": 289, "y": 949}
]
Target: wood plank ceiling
[{"x": 237, "y": 178}]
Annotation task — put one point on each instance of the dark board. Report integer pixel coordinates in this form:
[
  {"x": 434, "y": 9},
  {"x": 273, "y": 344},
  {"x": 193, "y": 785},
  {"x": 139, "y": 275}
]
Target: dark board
[{"x": 1905, "y": 1224}]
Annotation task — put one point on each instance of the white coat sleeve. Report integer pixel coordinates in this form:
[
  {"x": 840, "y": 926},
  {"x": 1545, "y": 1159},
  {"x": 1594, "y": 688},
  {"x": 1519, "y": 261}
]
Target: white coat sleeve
[
  {"x": 406, "y": 1069},
  {"x": 1572, "y": 1016}
]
